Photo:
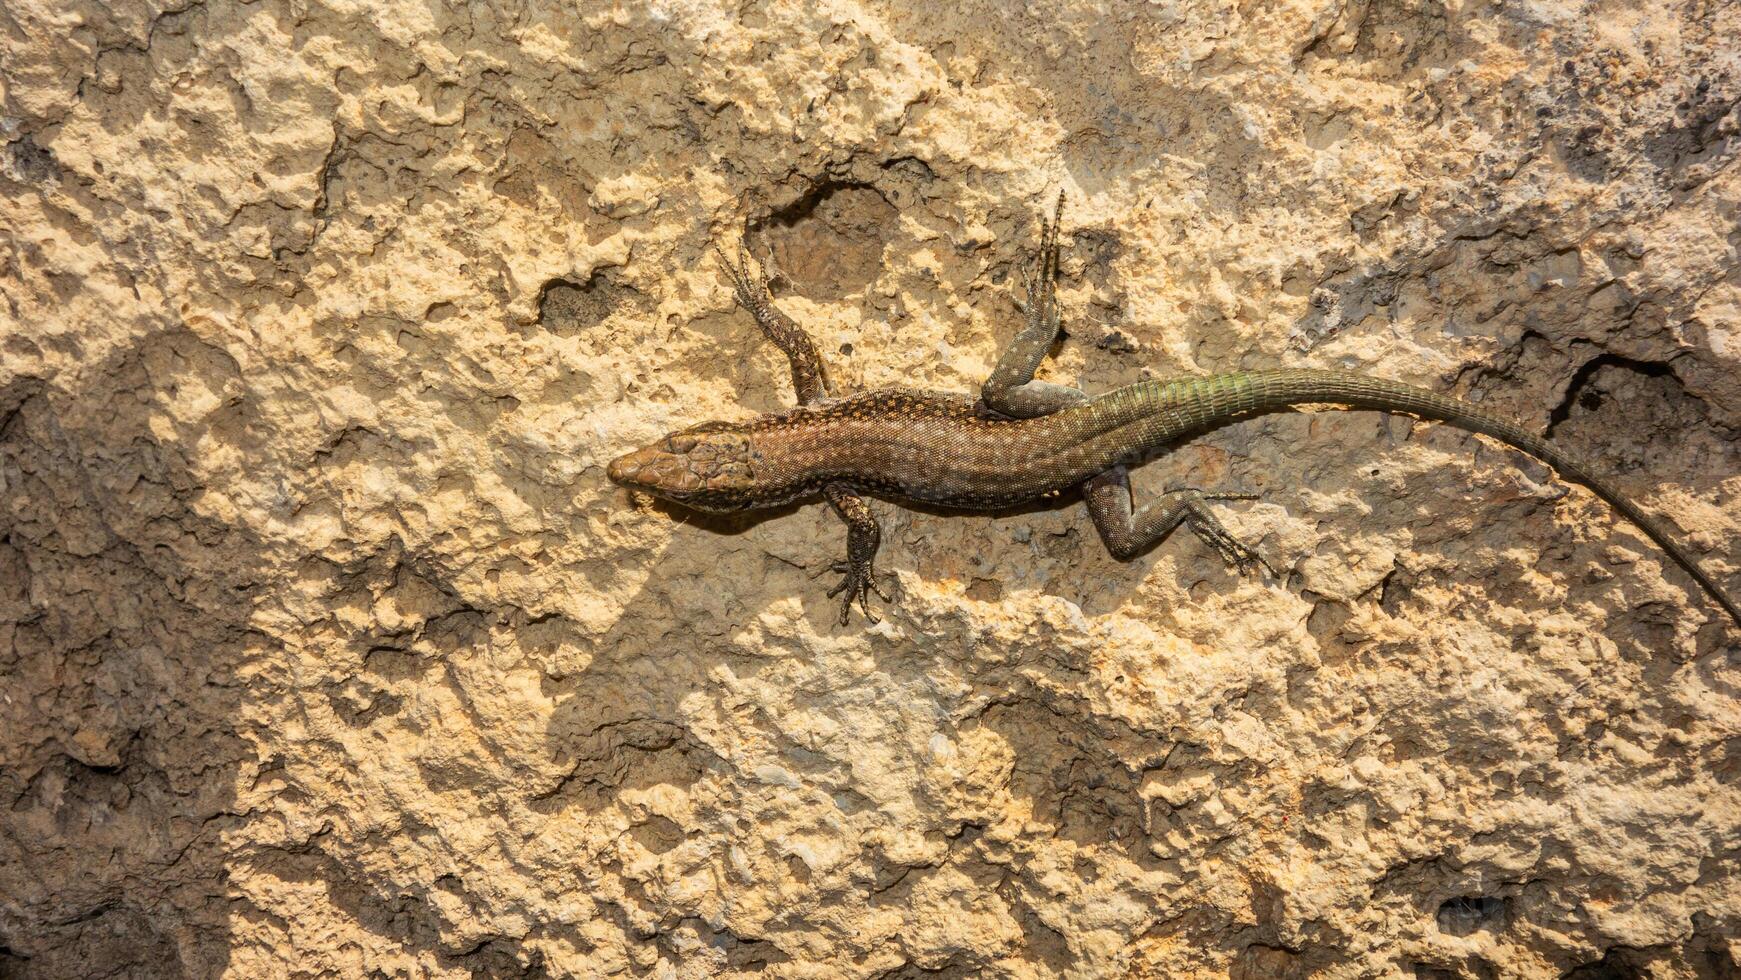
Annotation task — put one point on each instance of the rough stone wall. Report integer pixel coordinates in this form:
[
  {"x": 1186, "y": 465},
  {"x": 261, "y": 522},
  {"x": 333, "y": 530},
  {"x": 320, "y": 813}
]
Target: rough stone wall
[{"x": 328, "y": 650}]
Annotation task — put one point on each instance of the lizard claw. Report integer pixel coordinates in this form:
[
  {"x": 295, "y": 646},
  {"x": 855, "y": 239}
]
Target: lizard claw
[{"x": 858, "y": 585}]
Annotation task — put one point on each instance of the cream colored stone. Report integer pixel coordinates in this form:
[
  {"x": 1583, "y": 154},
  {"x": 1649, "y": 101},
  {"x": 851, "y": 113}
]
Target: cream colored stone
[{"x": 326, "y": 649}]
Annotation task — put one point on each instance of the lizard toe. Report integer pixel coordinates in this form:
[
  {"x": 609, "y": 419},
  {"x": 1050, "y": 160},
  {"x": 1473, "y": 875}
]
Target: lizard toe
[{"x": 858, "y": 584}]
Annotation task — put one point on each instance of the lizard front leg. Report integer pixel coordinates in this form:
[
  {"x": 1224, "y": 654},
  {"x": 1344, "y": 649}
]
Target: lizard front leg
[
  {"x": 1011, "y": 390},
  {"x": 863, "y": 535},
  {"x": 1127, "y": 534},
  {"x": 750, "y": 285}
]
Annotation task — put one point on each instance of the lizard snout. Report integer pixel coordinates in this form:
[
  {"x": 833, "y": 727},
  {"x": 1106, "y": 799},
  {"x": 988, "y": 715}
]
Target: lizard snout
[
  {"x": 654, "y": 470},
  {"x": 623, "y": 468}
]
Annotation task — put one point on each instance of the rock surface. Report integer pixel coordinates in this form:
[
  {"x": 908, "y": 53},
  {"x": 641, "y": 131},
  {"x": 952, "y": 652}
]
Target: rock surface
[{"x": 328, "y": 650}]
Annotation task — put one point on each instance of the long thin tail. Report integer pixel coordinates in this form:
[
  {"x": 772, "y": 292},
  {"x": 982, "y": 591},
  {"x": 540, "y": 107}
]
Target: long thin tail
[{"x": 1223, "y": 397}]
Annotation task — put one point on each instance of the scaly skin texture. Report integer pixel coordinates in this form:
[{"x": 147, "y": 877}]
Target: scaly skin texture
[{"x": 1030, "y": 440}]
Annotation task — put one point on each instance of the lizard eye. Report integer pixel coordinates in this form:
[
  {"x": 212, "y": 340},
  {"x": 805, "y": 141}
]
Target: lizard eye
[{"x": 681, "y": 443}]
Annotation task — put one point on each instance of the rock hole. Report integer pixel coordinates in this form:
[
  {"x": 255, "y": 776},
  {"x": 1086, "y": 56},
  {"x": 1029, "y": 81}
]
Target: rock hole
[
  {"x": 1325, "y": 624},
  {"x": 1618, "y": 963},
  {"x": 1588, "y": 392},
  {"x": 828, "y": 244},
  {"x": 1260, "y": 961},
  {"x": 1466, "y": 915},
  {"x": 657, "y": 834},
  {"x": 30, "y": 163},
  {"x": 566, "y": 307}
]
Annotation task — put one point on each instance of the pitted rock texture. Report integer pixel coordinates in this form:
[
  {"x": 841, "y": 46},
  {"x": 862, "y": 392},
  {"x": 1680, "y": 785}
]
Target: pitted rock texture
[{"x": 328, "y": 650}]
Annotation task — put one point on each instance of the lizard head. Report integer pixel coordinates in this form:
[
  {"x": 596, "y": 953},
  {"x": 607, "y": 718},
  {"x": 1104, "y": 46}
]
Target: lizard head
[{"x": 711, "y": 467}]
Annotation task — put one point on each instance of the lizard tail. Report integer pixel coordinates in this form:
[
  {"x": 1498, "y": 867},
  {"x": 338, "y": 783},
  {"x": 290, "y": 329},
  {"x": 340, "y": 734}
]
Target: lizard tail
[{"x": 1245, "y": 394}]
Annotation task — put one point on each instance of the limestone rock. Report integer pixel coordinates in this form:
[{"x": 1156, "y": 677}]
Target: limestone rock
[{"x": 326, "y": 648}]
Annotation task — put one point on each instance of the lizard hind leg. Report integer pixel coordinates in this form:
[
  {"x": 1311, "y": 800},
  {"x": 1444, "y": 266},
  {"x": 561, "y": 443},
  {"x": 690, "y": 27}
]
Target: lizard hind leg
[
  {"x": 1127, "y": 533},
  {"x": 750, "y": 286},
  {"x": 1011, "y": 389}
]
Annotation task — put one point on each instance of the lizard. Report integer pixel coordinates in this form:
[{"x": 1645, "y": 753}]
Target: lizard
[{"x": 1023, "y": 440}]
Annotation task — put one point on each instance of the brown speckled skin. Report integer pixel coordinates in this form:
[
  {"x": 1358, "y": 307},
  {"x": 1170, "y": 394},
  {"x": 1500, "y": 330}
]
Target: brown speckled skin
[{"x": 945, "y": 450}]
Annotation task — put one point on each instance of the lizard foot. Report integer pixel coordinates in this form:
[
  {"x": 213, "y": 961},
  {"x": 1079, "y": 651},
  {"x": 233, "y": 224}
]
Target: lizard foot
[
  {"x": 1040, "y": 277},
  {"x": 749, "y": 280},
  {"x": 1210, "y": 529},
  {"x": 858, "y": 585}
]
